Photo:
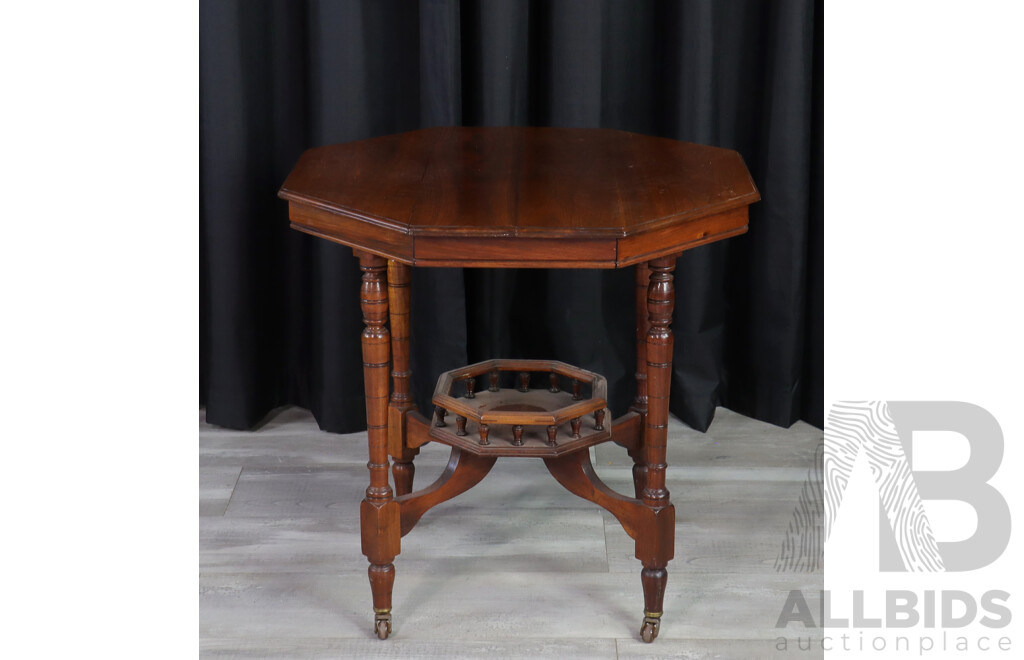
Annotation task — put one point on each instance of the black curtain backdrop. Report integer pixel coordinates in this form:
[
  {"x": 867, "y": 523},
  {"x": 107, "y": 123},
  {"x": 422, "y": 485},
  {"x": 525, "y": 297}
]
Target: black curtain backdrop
[{"x": 279, "y": 317}]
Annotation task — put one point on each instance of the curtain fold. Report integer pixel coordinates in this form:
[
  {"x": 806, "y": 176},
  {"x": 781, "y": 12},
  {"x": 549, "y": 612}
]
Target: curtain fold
[{"x": 279, "y": 317}]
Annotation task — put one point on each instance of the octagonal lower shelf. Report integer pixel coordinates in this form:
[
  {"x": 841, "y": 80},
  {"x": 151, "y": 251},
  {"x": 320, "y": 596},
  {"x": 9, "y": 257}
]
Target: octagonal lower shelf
[{"x": 545, "y": 409}]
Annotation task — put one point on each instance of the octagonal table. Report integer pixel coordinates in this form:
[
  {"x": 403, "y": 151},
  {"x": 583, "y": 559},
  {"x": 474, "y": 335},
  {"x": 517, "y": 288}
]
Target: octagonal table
[{"x": 526, "y": 198}]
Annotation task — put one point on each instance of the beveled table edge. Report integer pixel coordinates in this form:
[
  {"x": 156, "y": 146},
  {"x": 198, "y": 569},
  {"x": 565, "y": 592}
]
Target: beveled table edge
[{"x": 507, "y": 251}]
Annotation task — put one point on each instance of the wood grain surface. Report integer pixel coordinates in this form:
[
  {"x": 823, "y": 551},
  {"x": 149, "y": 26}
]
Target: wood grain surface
[{"x": 512, "y": 196}]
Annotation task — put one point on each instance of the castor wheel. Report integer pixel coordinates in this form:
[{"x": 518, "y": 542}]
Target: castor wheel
[
  {"x": 382, "y": 624},
  {"x": 649, "y": 629}
]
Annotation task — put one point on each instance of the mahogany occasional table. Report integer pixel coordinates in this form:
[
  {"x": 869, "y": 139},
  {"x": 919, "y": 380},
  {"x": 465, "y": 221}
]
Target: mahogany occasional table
[{"x": 519, "y": 198}]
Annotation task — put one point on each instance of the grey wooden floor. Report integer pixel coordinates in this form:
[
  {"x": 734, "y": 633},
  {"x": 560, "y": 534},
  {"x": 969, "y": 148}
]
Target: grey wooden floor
[{"x": 515, "y": 568}]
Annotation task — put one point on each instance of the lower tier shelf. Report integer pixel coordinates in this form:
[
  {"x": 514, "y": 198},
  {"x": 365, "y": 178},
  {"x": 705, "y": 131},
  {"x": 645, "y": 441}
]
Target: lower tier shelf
[{"x": 534, "y": 438}]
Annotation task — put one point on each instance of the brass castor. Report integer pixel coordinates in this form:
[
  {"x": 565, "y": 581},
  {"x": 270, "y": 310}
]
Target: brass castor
[
  {"x": 382, "y": 624},
  {"x": 649, "y": 629}
]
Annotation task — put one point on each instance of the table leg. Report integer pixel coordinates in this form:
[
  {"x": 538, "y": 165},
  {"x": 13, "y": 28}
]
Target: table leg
[
  {"x": 403, "y": 469},
  {"x": 657, "y": 546},
  {"x": 643, "y": 324},
  {"x": 380, "y": 519}
]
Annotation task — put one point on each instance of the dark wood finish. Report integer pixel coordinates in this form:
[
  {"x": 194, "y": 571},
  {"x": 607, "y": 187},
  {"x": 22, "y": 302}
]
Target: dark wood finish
[
  {"x": 576, "y": 473},
  {"x": 660, "y": 303},
  {"x": 463, "y": 471},
  {"x": 535, "y": 439},
  {"x": 654, "y": 581},
  {"x": 534, "y": 407},
  {"x": 379, "y": 514},
  {"x": 651, "y": 529},
  {"x": 382, "y": 581},
  {"x": 643, "y": 281},
  {"x": 639, "y": 473},
  {"x": 509, "y": 197},
  {"x": 522, "y": 406},
  {"x": 402, "y": 468},
  {"x": 417, "y": 429},
  {"x": 643, "y": 324},
  {"x": 627, "y": 431},
  {"x": 516, "y": 197},
  {"x": 507, "y": 364},
  {"x": 403, "y": 473}
]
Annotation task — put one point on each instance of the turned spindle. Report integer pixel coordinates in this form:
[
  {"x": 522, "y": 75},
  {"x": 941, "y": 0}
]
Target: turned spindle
[
  {"x": 553, "y": 383},
  {"x": 441, "y": 412},
  {"x": 552, "y": 432},
  {"x": 402, "y": 470},
  {"x": 460, "y": 424},
  {"x": 524, "y": 381},
  {"x": 576, "y": 421},
  {"x": 660, "y": 303},
  {"x": 484, "y": 431},
  {"x": 379, "y": 539},
  {"x": 470, "y": 387},
  {"x": 577, "y": 386},
  {"x": 494, "y": 381},
  {"x": 517, "y": 435},
  {"x": 599, "y": 420}
]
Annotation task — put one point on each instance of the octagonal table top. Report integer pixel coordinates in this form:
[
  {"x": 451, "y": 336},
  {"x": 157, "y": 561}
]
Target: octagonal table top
[{"x": 520, "y": 197}]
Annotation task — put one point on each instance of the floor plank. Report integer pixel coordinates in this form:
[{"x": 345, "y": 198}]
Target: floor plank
[
  {"x": 515, "y": 568},
  {"x": 216, "y": 484},
  {"x": 560, "y": 540},
  {"x": 472, "y": 605},
  {"x": 709, "y": 649},
  {"x": 454, "y": 649},
  {"x": 733, "y": 440}
]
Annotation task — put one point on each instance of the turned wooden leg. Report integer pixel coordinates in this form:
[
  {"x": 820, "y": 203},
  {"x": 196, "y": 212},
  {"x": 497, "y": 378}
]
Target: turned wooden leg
[
  {"x": 403, "y": 469},
  {"x": 654, "y": 581},
  {"x": 639, "y": 473},
  {"x": 403, "y": 473},
  {"x": 656, "y": 546},
  {"x": 643, "y": 324},
  {"x": 380, "y": 519}
]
